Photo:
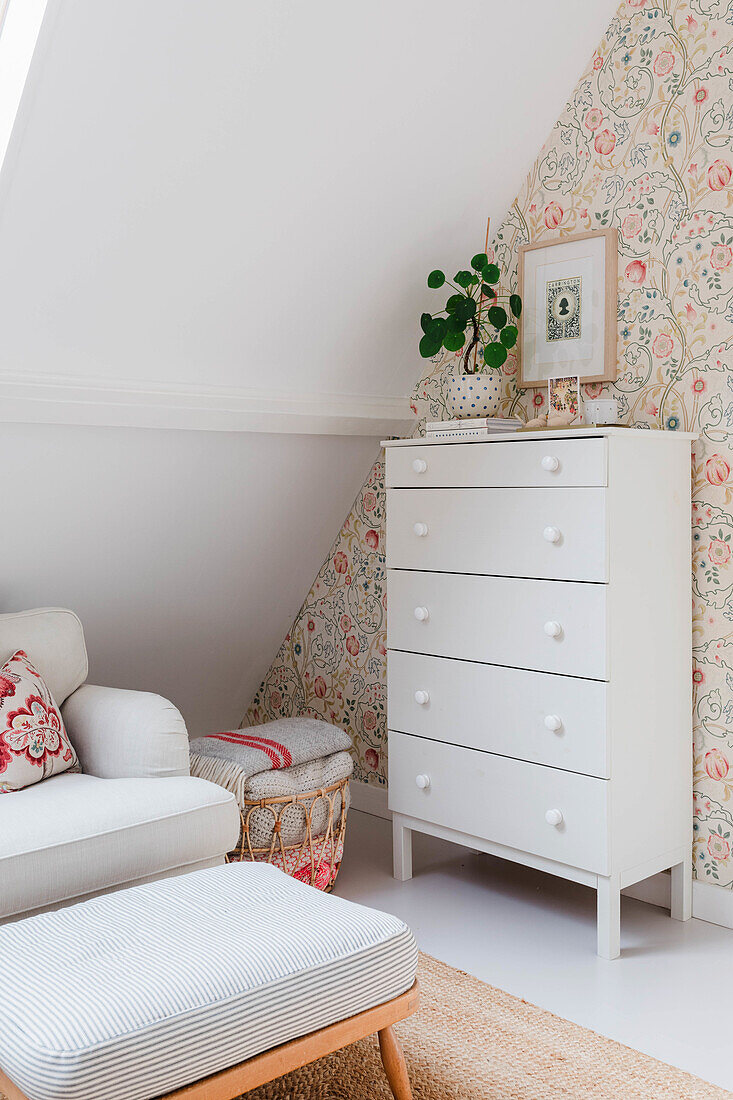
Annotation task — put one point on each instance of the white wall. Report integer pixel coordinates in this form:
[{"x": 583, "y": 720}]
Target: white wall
[
  {"x": 241, "y": 193},
  {"x": 186, "y": 554},
  {"x": 232, "y": 194}
]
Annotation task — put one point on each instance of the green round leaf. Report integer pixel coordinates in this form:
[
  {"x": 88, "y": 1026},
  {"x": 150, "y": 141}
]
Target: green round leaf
[
  {"x": 455, "y": 302},
  {"x": 430, "y": 345},
  {"x": 494, "y": 354},
  {"x": 463, "y": 278},
  {"x": 463, "y": 311},
  {"x": 479, "y": 261},
  {"x": 425, "y": 320},
  {"x": 456, "y": 323},
  {"x": 454, "y": 340},
  {"x": 508, "y": 336},
  {"x": 436, "y": 279},
  {"x": 497, "y": 316},
  {"x": 515, "y": 305},
  {"x": 438, "y": 328},
  {"x": 491, "y": 273},
  {"x": 487, "y": 291}
]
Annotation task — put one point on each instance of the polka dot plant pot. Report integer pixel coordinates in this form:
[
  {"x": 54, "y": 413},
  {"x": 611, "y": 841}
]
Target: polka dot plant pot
[{"x": 474, "y": 394}]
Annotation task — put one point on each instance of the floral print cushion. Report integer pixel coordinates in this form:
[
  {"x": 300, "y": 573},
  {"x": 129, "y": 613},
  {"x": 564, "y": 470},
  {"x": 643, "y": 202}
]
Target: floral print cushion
[
  {"x": 318, "y": 870},
  {"x": 33, "y": 741}
]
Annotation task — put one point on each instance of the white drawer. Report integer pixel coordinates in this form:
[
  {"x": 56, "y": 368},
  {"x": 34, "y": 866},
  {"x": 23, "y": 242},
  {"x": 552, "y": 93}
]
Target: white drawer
[
  {"x": 502, "y": 800},
  {"x": 501, "y": 463},
  {"x": 500, "y": 620},
  {"x": 509, "y": 532},
  {"x": 502, "y": 710}
]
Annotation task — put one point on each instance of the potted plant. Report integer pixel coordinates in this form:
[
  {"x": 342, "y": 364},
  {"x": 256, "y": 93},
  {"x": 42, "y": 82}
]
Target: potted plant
[{"x": 472, "y": 319}]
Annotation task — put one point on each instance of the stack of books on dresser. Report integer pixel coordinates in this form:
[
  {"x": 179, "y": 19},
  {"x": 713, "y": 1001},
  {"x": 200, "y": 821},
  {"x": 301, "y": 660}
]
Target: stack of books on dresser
[{"x": 471, "y": 429}]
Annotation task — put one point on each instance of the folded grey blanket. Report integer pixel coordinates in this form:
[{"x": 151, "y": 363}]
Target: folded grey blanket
[{"x": 280, "y": 744}]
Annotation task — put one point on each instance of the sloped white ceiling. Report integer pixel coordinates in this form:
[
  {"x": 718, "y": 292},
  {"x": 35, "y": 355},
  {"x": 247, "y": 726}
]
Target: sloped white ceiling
[{"x": 240, "y": 192}]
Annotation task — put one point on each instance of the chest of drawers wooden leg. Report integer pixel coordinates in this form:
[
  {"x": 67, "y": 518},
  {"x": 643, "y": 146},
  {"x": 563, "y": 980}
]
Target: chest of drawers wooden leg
[{"x": 539, "y": 664}]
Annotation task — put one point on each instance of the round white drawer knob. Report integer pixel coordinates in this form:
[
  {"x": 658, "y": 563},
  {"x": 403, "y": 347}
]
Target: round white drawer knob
[
  {"x": 553, "y": 722},
  {"x": 551, "y": 534},
  {"x": 419, "y": 465},
  {"x": 422, "y": 697},
  {"x": 422, "y": 614},
  {"x": 550, "y": 463},
  {"x": 554, "y": 817},
  {"x": 552, "y": 629},
  {"x": 420, "y": 529},
  {"x": 423, "y": 782}
]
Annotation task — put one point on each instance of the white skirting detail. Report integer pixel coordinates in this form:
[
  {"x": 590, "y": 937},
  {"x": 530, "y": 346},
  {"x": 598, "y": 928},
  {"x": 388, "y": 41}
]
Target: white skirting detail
[
  {"x": 30, "y": 398},
  {"x": 368, "y": 799},
  {"x": 709, "y": 903},
  {"x": 713, "y": 904}
]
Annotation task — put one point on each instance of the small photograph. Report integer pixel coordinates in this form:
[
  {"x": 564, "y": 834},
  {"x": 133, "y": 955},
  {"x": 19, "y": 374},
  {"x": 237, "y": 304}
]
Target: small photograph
[
  {"x": 563, "y": 398},
  {"x": 563, "y": 308}
]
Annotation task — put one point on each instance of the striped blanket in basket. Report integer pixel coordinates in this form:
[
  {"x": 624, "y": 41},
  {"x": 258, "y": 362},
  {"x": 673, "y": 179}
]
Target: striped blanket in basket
[
  {"x": 281, "y": 744},
  {"x": 282, "y": 758}
]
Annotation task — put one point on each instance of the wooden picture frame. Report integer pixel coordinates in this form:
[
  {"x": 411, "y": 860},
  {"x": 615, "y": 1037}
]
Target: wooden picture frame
[{"x": 528, "y": 374}]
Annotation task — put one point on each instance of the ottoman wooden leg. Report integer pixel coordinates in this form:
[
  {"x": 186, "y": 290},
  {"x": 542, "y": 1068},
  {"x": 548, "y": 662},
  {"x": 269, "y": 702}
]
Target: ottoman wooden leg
[
  {"x": 7, "y": 1088},
  {"x": 393, "y": 1061}
]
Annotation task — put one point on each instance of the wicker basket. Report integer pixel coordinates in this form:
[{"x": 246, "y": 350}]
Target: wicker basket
[{"x": 316, "y": 859}]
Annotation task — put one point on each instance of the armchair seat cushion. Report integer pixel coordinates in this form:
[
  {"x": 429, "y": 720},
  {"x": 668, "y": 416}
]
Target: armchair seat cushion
[{"x": 75, "y": 834}]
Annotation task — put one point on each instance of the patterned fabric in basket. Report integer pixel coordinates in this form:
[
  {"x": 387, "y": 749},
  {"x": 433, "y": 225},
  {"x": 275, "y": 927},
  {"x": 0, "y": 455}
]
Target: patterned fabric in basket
[{"x": 300, "y": 865}]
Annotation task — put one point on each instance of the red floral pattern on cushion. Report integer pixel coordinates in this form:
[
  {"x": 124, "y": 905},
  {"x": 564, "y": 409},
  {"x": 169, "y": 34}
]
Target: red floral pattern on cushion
[
  {"x": 35, "y": 731},
  {"x": 33, "y": 741},
  {"x": 5, "y": 757},
  {"x": 7, "y": 686}
]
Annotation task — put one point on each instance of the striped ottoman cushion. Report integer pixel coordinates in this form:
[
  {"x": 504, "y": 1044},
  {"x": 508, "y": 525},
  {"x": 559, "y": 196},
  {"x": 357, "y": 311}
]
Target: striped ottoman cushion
[{"x": 132, "y": 994}]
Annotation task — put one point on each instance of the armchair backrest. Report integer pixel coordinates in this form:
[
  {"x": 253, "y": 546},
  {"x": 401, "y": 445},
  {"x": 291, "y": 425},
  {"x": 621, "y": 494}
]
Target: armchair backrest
[{"x": 53, "y": 638}]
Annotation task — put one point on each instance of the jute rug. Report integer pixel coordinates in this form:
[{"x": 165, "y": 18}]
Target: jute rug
[{"x": 470, "y": 1041}]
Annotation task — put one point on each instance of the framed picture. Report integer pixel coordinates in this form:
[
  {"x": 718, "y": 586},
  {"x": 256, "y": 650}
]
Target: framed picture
[{"x": 570, "y": 297}]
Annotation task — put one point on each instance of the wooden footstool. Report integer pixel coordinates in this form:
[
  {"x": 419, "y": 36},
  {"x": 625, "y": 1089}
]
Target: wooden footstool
[{"x": 201, "y": 987}]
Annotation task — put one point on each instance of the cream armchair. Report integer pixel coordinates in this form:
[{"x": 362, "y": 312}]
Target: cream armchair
[{"x": 133, "y": 813}]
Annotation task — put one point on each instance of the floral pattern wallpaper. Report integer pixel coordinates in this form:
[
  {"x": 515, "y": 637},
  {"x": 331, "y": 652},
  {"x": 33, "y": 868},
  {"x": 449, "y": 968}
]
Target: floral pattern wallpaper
[
  {"x": 645, "y": 144},
  {"x": 332, "y": 663}
]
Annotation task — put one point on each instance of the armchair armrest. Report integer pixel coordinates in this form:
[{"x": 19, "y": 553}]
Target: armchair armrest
[{"x": 122, "y": 734}]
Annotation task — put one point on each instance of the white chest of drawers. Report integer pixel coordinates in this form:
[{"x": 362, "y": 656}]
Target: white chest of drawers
[{"x": 539, "y": 654}]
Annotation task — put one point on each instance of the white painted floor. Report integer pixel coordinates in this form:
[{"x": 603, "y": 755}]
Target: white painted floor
[{"x": 669, "y": 995}]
